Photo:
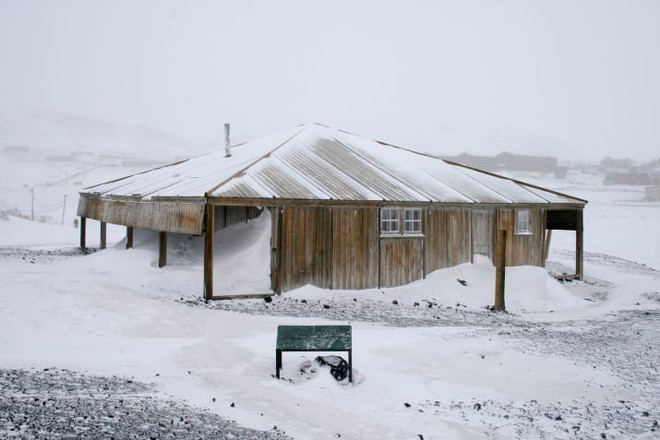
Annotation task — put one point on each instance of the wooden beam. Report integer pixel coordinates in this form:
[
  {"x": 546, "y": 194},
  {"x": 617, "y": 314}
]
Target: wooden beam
[
  {"x": 83, "y": 232},
  {"x": 239, "y": 201},
  {"x": 500, "y": 270},
  {"x": 208, "y": 251},
  {"x": 471, "y": 229},
  {"x": 546, "y": 246},
  {"x": 129, "y": 237},
  {"x": 103, "y": 234},
  {"x": 579, "y": 246},
  {"x": 162, "y": 249}
]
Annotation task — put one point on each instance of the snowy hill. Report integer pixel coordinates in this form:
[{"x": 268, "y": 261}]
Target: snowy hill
[
  {"x": 50, "y": 156},
  {"x": 51, "y": 132}
]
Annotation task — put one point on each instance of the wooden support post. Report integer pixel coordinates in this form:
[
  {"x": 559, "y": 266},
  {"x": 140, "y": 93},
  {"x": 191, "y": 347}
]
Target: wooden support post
[
  {"x": 103, "y": 235},
  {"x": 129, "y": 237},
  {"x": 208, "y": 252},
  {"x": 579, "y": 246},
  {"x": 546, "y": 246},
  {"x": 83, "y": 233},
  {"x": 500, "y": 270},
  {"x": 162, "y": 249}
]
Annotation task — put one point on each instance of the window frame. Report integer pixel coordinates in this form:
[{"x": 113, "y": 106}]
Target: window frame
[
  {"x": 398, "y": 226},
  {"x": 523, "y": 222},
  {"x": 391, "y": 221},
  {"x": 416, "y": 222}
]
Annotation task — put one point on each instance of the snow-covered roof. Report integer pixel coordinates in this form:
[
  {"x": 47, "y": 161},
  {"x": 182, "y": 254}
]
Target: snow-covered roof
[{"x": 319, "y": 163}]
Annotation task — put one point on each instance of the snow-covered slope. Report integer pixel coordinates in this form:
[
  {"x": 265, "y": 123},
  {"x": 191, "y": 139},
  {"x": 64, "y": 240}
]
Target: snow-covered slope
[{"x": 61, "y": 133}]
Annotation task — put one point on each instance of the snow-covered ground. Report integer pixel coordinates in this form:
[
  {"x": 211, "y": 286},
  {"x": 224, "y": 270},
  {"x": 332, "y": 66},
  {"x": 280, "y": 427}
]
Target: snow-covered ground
[{"x": 573, "y": 360}]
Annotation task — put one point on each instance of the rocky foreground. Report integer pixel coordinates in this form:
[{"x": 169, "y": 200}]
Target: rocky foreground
[{"x": 63, "y": 404}]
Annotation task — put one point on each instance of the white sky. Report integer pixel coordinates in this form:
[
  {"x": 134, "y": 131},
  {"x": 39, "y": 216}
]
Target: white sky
[{"x": 579, "y": 77}]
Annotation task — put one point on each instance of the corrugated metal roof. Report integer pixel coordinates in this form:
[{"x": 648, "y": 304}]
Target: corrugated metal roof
[{"x": 314, "y": 162}]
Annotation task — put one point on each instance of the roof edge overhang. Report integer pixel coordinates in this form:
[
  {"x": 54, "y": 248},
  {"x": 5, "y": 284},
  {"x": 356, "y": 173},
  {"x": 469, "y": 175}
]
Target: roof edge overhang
[
  {"x": 519, "y": 182},
  {"x": 183, "y": 216},
  {"x": 240, "y": 201}
]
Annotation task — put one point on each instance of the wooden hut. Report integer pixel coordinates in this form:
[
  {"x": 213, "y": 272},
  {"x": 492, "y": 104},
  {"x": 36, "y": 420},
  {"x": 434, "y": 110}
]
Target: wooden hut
[{"x": 347, "y": 212}]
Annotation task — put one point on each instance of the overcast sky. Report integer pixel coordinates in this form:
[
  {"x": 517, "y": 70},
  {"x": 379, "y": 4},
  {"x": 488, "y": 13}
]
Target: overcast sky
[{"x": 572, "y": 77}]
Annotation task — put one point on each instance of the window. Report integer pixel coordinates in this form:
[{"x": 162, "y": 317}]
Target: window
[
  {"x": 412, "y": 221},
  {"x": 389, "y": 221},
  {"x": 522, "y": 222}
]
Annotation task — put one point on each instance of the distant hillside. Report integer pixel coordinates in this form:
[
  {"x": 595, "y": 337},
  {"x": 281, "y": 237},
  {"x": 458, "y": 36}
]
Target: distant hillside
[
  {"x": 58, "y": 133},
  {"x": 454, "y": 139}
]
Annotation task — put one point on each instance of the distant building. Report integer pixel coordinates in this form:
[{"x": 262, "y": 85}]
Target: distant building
[
  {"x": 16, "y": 151},
  {"x": 488, "y": 163},
  {"x": 631, "y": 178},
  {"x": 508, "y": 162},
  {"x": 652, "y": 193},
  {"x": 608, "y": 164},
  {"x": 519, "y": 162}
]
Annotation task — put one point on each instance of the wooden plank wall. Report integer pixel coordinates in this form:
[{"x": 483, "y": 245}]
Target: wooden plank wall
[
  {"x": 483, "y": 228},
  {"x": 447, "y": 234},
  {"x": 334, "y": 248},
  {"x": 305, "y": 247},
  {"x": 341, "y": 248},
  {"x": 176, "y": 217},
  {"x": 355, "y": 233},
  {"x": 401, "y": 260},
  {"x": 527, "y": 249}
]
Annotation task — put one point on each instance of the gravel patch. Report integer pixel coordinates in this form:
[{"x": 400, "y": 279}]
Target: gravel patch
[
  {"x": 42, "y": 256},
  {"x": 63, "y": 404}
]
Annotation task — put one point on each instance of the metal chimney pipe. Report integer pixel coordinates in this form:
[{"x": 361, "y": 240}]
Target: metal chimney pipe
[{"x": 227, "y": 141}]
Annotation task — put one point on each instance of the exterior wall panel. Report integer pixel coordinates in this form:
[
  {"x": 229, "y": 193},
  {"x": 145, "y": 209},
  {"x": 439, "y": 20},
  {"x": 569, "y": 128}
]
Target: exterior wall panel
[
  {"x": 401, "y": 261},
  {"x": 523, "y": 249},
  {"x": 355, "y": 234},
  {"x": 175, "y": 217}
]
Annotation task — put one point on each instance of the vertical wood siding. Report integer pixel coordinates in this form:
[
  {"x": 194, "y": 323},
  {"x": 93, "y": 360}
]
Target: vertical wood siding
[
  {"x": 401, "y": 261},
  {"x": 447, "y": 234},
  {"x": 483, "y": 227},
  {"x": 527, "y": 249},
  {"x": 355, "y": 234},
  {"x": 176, "y": 217},
  {"x": 341, "y": 248},
  {"x": 305, "y": 248},
  {"x": 231, "y": 215}
]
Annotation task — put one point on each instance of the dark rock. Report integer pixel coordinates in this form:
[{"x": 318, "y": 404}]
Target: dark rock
[
  {"x": 407, "y": 405},
  {"x": 395, "y": 302},
  {"x": 461, "y": 282},
  {"x": 477, "y": 406},
  {"x": 268, "y": 299},
  {"x": 326, "y": 306}
]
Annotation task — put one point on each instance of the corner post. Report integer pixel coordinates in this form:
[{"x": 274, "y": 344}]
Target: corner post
[
  {"x": 83, "y": 232},
  {"x": 579, "y": 245},
  {"x": 162, "y": 249},
  {"x": 208, "y": 251},
  {"x": 129, "y": 237},
  {"x": 103, "y": 234},
  {"x": 500, "y": 270}
]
